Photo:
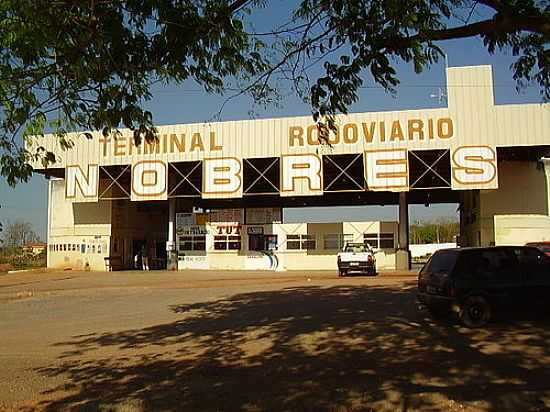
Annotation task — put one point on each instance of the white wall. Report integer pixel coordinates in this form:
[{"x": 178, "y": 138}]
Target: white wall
[
  {"x": 428, "y": 248},
  {"x": 520, "y": 229},
  {"x": 522, "y": 191},
  {"x": 84, "y": 227}
]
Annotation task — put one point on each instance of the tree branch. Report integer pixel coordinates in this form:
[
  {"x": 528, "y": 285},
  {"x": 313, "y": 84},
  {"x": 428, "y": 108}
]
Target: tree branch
[
  {"x": 237, "y": 4},
  {"x": 535, "y": 24}
]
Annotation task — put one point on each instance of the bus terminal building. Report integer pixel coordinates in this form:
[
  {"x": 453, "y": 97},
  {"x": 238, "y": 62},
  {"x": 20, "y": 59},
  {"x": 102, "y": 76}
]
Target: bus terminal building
[{"x": 211, "y": 195}]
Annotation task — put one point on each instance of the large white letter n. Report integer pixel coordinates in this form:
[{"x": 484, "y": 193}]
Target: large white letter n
[{"x": 87, "y": 183}]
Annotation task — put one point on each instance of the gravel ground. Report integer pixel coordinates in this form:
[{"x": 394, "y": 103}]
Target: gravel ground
[{"x": 252, "y": 341}]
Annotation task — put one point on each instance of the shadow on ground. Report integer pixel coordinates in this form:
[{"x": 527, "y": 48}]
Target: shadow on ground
[{"x": 308, "y": 349}]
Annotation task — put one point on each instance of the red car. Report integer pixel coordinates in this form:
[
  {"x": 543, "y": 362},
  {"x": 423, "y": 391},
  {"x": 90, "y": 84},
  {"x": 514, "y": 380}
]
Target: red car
[{"x": 544, "y": 247}]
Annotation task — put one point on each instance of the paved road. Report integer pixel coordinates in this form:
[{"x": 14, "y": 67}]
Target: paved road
[{"x": 254, "y": 341}]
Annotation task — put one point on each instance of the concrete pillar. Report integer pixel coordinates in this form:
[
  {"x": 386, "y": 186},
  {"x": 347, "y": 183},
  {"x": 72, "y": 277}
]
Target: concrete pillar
[
  {"x": 403, "y": 256},
  {"x": 546, "y": 162},
  {"x": 49, "y": 230},
  {"x": 171, "y": 243}
]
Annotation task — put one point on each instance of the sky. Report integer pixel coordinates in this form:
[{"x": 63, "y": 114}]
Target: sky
[{"x": 188, "y": 104}]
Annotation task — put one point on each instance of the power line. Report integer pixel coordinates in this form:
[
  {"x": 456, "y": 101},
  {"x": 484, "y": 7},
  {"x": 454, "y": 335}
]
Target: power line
[{"x": 423, "y": 86}]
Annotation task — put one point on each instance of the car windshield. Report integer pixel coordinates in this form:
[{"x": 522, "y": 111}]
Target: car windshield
[
  {"x": 356, "y": 248},
  {"x": 442, "y": 261}
]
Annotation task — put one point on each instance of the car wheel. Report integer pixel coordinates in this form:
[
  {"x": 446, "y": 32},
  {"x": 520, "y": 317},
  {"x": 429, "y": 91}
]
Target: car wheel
[
  {"x": 474, "y": 312},
  {"x": 341, "y": 273}
]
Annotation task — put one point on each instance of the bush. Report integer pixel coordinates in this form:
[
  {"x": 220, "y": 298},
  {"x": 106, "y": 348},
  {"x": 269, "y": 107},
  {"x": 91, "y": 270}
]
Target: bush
[{"x": 18, "y": 260}]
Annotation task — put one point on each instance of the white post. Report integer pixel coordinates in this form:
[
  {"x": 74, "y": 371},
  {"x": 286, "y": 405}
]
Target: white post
[
  {"x": 171, "y": 243},
  {"x": 49, "y": 226}
]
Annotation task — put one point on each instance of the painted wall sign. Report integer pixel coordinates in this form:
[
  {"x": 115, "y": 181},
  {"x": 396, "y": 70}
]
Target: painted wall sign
[
  {"x": 255, "y": 230},
  {"x": 228, "y": 229},
  {"x": 193, "y": 230},
  {"x": 184, "y": 219}
]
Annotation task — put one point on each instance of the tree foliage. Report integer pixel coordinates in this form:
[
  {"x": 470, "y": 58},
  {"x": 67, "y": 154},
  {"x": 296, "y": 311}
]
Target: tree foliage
[
  {"x": 70, "y": 65},
  {"x": 89, "y": 65},
  {"x": 437, "y": 231}
]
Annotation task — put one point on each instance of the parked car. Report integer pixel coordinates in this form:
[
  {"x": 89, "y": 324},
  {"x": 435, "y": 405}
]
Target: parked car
[
  {"x": 475, "y": 282},
  {"x": 544, "y": 247},
  {"x": 356, "y": 257}
]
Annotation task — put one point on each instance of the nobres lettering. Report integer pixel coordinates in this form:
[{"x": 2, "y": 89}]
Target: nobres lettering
[
  {"x": 149, "y": 179},
  {"x": 81, "y": 184},
  {"x": 474, "y": 165},
  {"x": 301, "y": 174}
]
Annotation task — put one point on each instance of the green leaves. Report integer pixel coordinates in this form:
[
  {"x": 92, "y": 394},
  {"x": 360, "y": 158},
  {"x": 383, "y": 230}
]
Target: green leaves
[
  {"x": 68, "y": 66},
  {"x": 380, "y": 33}
]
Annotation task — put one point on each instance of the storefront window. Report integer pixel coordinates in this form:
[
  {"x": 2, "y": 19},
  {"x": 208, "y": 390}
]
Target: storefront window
[
  {"x": 262, "y": 242},
  {"x": 336, "y": 240},
  {"x": 387, "y": 241},
  {"x": 380, "y": 240},
  {"x": 256, "y": 242},
  {"x": 371, "y": 239},
  {"x": 193, "y": 242},
  {"x": 293, "y": 242},
  {"x": 300, "y": 242},
  {"x": 227, "y": 242},
  {"x": 271, "y": 242}
]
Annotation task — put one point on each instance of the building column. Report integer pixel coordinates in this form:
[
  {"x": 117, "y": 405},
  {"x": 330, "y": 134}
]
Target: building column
[
  {"x": 403, "y": 256},
  {"x": 546, "y": 162},
  {"x": 171, "y": 243},
  {"x": 49, "y": 227}
]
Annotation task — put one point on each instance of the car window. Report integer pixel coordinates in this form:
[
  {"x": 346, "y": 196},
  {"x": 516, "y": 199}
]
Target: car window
[
  {"x": 442, "y": 261},
  {"x": 358, "y": 248},
  {"x": 543, "y": 247},
  {"x": 534, "y": 264},
  {"x": 491, "y": 265}
]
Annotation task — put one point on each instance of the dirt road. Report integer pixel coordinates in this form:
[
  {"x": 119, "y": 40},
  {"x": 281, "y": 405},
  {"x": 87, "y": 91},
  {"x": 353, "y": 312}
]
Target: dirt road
[{"x": 255, "y": 341}]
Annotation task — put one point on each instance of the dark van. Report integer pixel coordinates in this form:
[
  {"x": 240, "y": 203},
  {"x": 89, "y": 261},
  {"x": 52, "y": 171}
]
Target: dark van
[{"x": 474, "y": 282}]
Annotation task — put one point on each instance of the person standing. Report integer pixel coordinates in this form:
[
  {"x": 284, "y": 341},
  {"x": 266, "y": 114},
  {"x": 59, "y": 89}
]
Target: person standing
[{"x": 144, "y": 258}]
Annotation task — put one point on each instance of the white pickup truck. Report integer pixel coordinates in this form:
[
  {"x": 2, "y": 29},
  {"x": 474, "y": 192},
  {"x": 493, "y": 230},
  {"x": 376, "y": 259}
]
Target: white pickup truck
[{"x": 356, "y": 257}]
